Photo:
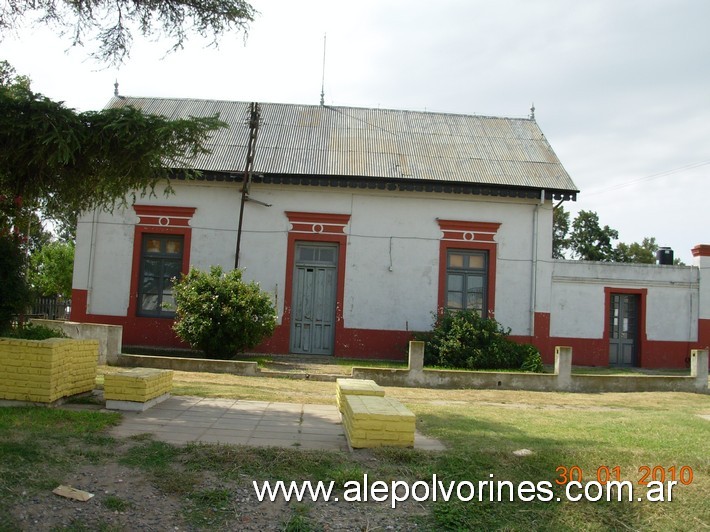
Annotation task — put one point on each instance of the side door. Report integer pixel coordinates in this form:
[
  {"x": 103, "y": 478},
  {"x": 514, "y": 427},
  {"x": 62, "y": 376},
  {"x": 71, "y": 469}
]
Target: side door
[
  {"x": 623, "y": 330},
  {"x": 314, "y": 298}
]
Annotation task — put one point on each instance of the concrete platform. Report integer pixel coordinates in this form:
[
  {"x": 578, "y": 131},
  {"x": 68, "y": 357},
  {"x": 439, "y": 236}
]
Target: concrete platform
[
  {"x": 182, "y": 419},
  {"x": 135, "y": 406}
]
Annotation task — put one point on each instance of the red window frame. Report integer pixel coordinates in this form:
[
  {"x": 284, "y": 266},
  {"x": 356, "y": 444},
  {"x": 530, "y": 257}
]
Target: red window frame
[
  {"x": 468, "y": 236},
  {"x": 316, "y": 227},
  {"x": 163, "y": 220}
]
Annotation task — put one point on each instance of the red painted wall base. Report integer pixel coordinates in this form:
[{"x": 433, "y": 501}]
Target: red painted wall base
[
  {"x": 156, "y": 332},
  {"x": 653, "y": 354},
  {"x": 393, "y": 345}
]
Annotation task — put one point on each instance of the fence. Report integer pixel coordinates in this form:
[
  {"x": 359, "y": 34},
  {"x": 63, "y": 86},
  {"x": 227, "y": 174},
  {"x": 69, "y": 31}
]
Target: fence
[{"x": 51, "y": 308}]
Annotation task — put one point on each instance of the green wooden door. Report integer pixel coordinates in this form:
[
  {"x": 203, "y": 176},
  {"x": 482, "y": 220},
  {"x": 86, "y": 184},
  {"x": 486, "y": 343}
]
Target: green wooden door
[{"x": 314, "y": 298}]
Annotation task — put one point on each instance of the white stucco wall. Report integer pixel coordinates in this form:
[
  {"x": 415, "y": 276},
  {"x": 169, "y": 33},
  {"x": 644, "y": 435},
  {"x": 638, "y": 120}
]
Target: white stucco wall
[
  {"x": 382, "y": 224},
  {"x": 703, "y": 265},
  {"x": 578, "y": 305},
  {"x": 102, "y": 264},
  {"x": 398, "y": 231}
]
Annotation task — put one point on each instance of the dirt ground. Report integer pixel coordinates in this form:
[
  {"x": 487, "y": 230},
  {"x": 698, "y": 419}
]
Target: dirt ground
[{"x": 147, "y": 508}]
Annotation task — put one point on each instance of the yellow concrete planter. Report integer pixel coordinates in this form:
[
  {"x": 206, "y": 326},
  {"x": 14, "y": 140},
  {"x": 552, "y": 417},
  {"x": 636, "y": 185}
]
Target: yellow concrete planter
[
  {"x": 374, "y": 421},
  {"x": 356, "y": 387},
  {"x": 43, "y": 371},
  {"x": 137, "y": 388}
]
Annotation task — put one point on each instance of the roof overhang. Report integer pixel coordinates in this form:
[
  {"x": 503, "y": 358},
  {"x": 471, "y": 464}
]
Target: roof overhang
[{"x": 391, "y": 184}]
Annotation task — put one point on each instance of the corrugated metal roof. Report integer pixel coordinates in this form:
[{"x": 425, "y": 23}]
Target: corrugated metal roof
[{"x": 375, "y": 143}]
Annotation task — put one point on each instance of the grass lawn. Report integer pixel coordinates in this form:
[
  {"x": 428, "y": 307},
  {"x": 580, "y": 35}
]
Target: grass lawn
[{"x": 481, "y": 429}]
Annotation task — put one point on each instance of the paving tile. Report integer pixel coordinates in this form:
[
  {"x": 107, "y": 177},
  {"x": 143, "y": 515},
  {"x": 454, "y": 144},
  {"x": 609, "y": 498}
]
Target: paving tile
[
  {"x": 224, "y": 439},
  {"x": 166, "y": 412},
  {"x": 165, "y": 429},
  {"x": 283, "y": 409},
  {"x": 189, "y": 423},
  {"x": 248, "y": 414},
  {"x": 197, "y": 417},
  {"x": 237, "y": 422},
  {"x": 275, "y": 432},
  {"x": 266, "y": 421},
  {"x": 322, "y": 437},
  {"x": 241, "y": 403},
  {"x": 323, "y": 431},
  {"x": 228, "y": 425},
  {"x": 173, "y": 404},
  {"x": 228, "y": 432}
]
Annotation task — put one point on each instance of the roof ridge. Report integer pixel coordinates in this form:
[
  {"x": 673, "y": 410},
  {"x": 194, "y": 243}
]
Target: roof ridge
[{"x": 335, "y": 107}]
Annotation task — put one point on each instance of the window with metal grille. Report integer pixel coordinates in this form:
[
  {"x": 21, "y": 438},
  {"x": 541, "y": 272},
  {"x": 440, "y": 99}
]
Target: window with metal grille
[
  {"x": 161, "y": 264},
  {"x": 466, "y": 280}
]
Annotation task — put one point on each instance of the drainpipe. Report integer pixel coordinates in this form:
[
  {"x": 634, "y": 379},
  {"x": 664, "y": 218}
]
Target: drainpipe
[
  {"x": 92, "y": 257},
  {"x": 533, "y": 268}
]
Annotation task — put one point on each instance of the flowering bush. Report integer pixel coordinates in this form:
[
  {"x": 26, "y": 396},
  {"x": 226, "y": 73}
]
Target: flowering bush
[{"x": 220, "y": 314}]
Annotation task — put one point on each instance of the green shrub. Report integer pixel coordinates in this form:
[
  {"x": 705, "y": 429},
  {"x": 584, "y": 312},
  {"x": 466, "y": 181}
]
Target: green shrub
[
  {"x": 532, "y": 360},
  {"x": 220, "y": 314},
  {"x": 31, "y": 331},
  {"x": 463, "y": 339}
]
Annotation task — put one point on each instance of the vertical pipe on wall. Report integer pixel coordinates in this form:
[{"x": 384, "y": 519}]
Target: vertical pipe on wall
[
  {"x": 92, "y": 258},
  {"x": 533, "y": 265}
]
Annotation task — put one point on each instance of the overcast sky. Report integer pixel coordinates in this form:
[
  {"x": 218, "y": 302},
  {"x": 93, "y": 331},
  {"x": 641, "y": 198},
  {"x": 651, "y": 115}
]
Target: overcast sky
[{"x": 621, "y": 87}]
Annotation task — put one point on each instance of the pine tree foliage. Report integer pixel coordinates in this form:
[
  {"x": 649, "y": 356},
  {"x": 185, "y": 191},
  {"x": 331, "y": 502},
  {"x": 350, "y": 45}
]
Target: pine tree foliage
[{"x": 110, "y": 24}]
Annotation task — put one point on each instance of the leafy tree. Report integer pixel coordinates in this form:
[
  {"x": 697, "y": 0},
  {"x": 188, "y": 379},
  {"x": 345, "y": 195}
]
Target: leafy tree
[
  {"x": 14, "y": 294},
  {"x": 111, "y": 22},
  {"x": 589, "y": 241},
  {"x": 51, "y": 269},
  {"x": 62, "y": 161},
  {"x": 560, "y": 232},
  {"x": 221, "y": 314},
  {"x": 643, "y": 253}
]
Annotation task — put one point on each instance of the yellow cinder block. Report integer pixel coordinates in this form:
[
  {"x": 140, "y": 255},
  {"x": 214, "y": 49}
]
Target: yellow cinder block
[
  {"x": 381, "y": 435},
  {"x": 137, "y": 384},
  {"x": 359, "y": 387},
  {"x": 376, "y": 421}
]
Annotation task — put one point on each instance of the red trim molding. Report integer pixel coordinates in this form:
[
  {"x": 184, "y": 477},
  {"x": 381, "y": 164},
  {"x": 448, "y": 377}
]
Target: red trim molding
[
  {"x": 312, "y": 227},
  {"x": 163, "y": 216},
  {"x": 461, "y": 231},
  {"x": 701, "y": 250},
  {"x": 170, "y": 221},
  {"x": 318, "y": 222},
  {"x": 478, "y": 236}
]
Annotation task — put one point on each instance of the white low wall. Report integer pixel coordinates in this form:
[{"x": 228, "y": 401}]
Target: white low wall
[
  {"x": 562, "y": 380},
  {"x": 578, "y": 299},
  {"x": 110, "y": 337}
]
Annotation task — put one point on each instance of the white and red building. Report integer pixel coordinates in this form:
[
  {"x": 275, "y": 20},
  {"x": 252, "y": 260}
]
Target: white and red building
[{"x": 362, "y": 223}]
